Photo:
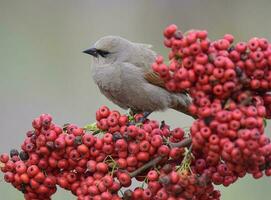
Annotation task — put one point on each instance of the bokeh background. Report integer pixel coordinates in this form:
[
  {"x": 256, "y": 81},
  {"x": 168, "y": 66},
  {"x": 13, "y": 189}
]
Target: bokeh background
[{"x": 42, "y": 69}]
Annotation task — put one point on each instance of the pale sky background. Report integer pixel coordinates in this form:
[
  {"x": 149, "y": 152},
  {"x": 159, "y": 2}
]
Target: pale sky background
[{"x": 42, "y": 69}]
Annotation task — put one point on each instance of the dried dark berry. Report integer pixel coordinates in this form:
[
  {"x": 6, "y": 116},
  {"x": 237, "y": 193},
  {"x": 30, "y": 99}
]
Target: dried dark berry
[
  {"x": 13, "y": 152},
  {"x": 178, "y": 35},
  {"x": 238, "y": 71},
  {"x": 23, "y": 155},
  {"x": 50, "y": 144},
  {"x": 164, "y": 180},
  {"x": 117, "y": 136},
  {"x": 78, "y": 140},
  {"x": 127, "y": 195},
  {"x": 30, "y": 133},
  {"x": 167, "y": 168}
]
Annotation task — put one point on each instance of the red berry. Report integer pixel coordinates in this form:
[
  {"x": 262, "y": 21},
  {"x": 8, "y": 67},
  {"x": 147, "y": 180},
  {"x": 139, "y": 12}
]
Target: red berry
[
  {"x": 4, "y": 158},
  {"x": 124, "y": 179},
  {"x": 170, "y": 30}
]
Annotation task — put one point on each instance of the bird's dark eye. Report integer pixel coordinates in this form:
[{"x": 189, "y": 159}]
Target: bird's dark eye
[{"x": 102, "y": 53}]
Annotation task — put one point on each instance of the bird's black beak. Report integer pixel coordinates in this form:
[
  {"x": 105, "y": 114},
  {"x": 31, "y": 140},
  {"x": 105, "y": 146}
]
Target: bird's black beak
[{"x": 92, "y": 51}]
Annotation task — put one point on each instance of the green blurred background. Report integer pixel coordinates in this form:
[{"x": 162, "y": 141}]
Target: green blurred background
[{"x": 42, "y": 69}]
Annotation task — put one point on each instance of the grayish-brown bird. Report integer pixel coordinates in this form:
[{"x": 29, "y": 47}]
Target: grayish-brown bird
[{"x": 122, "y": 70}]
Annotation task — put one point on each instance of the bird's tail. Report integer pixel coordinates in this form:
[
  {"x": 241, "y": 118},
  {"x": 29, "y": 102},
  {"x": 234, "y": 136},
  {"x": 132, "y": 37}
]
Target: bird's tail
[{"x": 181, "y": 102}]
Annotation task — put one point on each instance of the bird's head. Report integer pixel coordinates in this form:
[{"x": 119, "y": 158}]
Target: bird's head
[{"x": 108, "y": 49}]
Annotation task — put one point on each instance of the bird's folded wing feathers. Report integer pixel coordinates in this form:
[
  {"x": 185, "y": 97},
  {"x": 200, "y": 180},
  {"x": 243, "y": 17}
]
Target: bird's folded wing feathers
[
  {"x": 154, "y": 78},
  {"x": 183, "y": 98}
]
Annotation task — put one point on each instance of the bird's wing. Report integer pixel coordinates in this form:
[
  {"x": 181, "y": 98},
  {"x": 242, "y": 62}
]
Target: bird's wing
[
  {"x": 182, "y": 100},
  {"x": 154, "y": 78}
]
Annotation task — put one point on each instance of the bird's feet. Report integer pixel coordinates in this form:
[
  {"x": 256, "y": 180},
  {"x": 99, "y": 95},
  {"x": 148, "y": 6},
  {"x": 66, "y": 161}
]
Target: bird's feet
[
  {"x": 145, "y": 116},
  {"x": 131, "y": 113}
]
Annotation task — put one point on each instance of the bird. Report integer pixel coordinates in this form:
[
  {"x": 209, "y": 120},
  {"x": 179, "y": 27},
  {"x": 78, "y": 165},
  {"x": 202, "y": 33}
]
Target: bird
[{"x": 122, "y": 71}]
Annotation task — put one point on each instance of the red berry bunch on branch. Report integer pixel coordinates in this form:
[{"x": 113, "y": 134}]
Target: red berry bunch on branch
[
  {"x": 215, "y": 67},
  {"x": 95, "y": 162},
  {"x": 228, "y": 83}
]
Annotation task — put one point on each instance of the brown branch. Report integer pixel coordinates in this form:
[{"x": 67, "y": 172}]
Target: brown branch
[
  {"x": 184, "y": 143},
  {"x": 155, "y": 161},
  {"x": 149, "y": 164}
]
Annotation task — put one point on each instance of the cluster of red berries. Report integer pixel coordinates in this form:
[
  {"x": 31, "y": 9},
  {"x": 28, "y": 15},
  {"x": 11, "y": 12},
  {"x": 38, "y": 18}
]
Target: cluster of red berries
[
  {"x": 218, "y": 68},
  {"x": 29, "y": 171},
  {"x": 98, "y": 184},
  {"x": 228, "y": 85},
  {"x": 173, "y": 183},
  {"x": 232, "y": 144},
  {"x": 96, "y": 165}
]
